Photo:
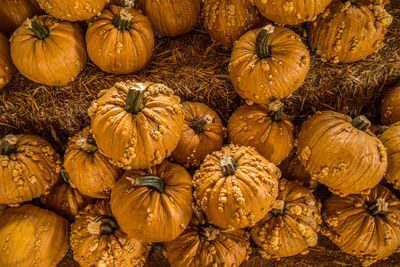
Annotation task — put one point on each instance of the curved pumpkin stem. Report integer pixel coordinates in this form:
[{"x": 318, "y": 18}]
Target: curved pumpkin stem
[
  {"x": 134, "y": 99},
  {"x": 64, "y": 175},
  {"x": 122, "y": 21},
  {"x": 152, "y": 181},
  {"x": 103, "y": 225},
  {"x": 263, "y": 50},
  {"x": 40, "y": 31},
  {"x": 87, "y": 144},
  {"x": 276, "y": 108},
  {"x": 228, "y": 165},
  {"x": 198, "y": 124},
  {"x": 378, "y": 207},
  {"x": 8, "y": 145},
  {"x": 361, "y": 123},
  {"x": 278, "y": 207}
]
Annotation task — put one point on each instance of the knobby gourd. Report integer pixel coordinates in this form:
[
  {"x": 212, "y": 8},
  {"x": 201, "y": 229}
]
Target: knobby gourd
[{"x": 390, "y": 106}]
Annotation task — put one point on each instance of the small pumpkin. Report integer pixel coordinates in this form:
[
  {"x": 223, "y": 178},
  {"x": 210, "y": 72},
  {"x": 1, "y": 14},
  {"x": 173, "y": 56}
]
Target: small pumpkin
[
  {"x": 7, "y": 68},
  {"x": 72, "y": 10},
  {"x": 267, "y": 129},
  {"x": 365, "y": 226},
  {"x": 349, "y": 30},
  {"x": 235, "y": 186},
  {"x": 202, "y": 134},
  {"x": 120, "y": 40},
  {"x": 390, "y": 106},
  {"x": 48, "y": 51},
  {"x": 89, "y": 171},
  {"x": 29, "y": 166},
  {"x": 292, "y": 226},
  {"x": 31, "y": 236},
  {"x": 97, "y": 240},
  {"x": 153, "y": 205},
  {"x": 268, "y": 63},
  {"x": 144, "y": 120}
]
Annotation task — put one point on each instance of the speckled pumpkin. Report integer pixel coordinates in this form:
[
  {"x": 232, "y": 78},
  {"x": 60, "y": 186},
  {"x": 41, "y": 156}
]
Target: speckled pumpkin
[
  {"x": 202, "y": 134},
  {"x": 267, "y": 129},
  {"x": 366, "y": 226},
  {"x": 390, "y": 106},
  {"x": 72, "y": 10},
  {"x": 7, "y": 68},
  {"x": 89, "y": 171},
  {"x": 349, "y": 30},
  {"x": 31, "y": 236},
  {"x": 268, "y": 63},
  {"x": 97, "y": 240},
  {"x": 29, "y": 166}
]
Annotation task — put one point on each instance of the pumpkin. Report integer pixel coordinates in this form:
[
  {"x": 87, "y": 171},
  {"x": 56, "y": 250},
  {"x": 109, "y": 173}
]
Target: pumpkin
[
  {"x": 48, "y": 51},
  {"x": 97, "y": 240},
  {"x": 227, "y": 20},
  {"x": 268, "y": 63},
  {"x": 89, "y": 171},
  {"x": 267, "y": 129},
  {"x": 31, "y": 236},
  {"x": 349, "y": 30},
  {"x": 72, "y": 10},
  {"x": 390, "y": 106},
  {"x": 365, "y": 226},
  {"x": 153, "y": 205},
  {"x": 2, "y": 209},
  {"x": 202, "y": 134},
  {"x": 341, "y": 153},
  {"x": 7, "y": 68},
  {"x": 171, "y": 17},
  {"x": 143, "y": 120},
  {"x": 120, "y": 40},
  {"x": 29, "y": 166},
  {"x": 235, "y": 186},
  {"x": 291, "y": 226}
]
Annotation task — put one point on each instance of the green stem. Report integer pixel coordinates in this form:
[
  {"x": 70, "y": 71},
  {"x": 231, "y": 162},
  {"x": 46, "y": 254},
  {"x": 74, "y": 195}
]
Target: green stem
[
  {"x": 134, "y": 99},
  {"x": 228, "y": 165},
  {"x": 278, "y": 207},
  {"x": 378, "y": 207},
  {"x": 121, "y": 21},
  {"x": 263, "y": 49},
  {"x": 64, "y": 175},
  {"x": 276, "y": 108},
  {"x": 87, "y": 144},
  {"x": 8, "y": 145},
  {"x": 351, "y": 1},
  {"x": 361, "y": 122},
  {"x": 152, "y": 181},
  {"x": 198, "y": 124},
  {"x": 107, "y": 226},
  {"x": 40, "y": 31}
]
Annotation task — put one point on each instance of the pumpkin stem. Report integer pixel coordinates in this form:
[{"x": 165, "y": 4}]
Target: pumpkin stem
[
  {"x": 361, "y": 123},
  {"x": 103, "y": 225},
  {"x": 263, "y": 50},
  {"x": 134, "y": 99},
  {"x": 122, "y": 21},
  {"x": 378, "y": 207},
  {"x": 87, "y": 144},
  {"x": 351, "y": 1},
  {"x": 278, "y": 207},
  {"x": 276, "y": 108},
  {"x": 198, "y": 124},
  {"x": 8, "y": 145},
  {"x": 39, "y": 31},
  {"x": 152, "y": 181},
  {"x": 208, "y": 233},
  {"x": 228, "y": 165},
  {"x": 64, "y": 175}
]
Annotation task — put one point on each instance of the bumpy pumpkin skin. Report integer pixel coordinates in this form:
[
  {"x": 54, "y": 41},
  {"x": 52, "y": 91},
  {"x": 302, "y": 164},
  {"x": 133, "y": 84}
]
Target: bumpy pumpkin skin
[
  {"x": 55, "y": 60},
  {"x": 89, "y": 171},
  {"x": 92, "y": 247},
  {"x": 340, "y": 156},
  {"x": 292, "y": 225},
  {"x": 115, "y": 50},
  {"x": 390, "y": 106},
  {"x": 31, "y": 236},
  {"x": 145, "y": 213},
  {"x": 72, "y": 10},
  {"x": 237, "y": 200},
  {"x": 29, "y": 172},
  {"x": 352, "y": 227},
  {"x": 202, "y": 134},
  {"x": 7, "y": 68},
  {"x": 273, "y": 77},
  {"x": 141, "y": 140},
  {"x": 348, "y": 32}
]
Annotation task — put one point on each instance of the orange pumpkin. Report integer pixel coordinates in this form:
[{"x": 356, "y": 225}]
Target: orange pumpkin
[
  {"x": 72, "y": 10},
  {"x": 390, "y": 106},
  {"x": 7, "y": 68}
]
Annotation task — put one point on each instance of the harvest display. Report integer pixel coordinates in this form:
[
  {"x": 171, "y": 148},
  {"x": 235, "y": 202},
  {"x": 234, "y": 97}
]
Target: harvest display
[{"x": 163, "y": 167}]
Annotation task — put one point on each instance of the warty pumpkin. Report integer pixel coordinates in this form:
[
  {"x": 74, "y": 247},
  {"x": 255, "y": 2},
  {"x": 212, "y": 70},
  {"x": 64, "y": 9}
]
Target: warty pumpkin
[
  {"x": 235, "y": 186},
  {"x": 202, "y": 134},
  {"x": 7, "y": 68},
  {"x": 267, "y": 129},
  {"x": 48, "y": 51},
  {"x": 268, "y": 63},
  {"x": 72, "y": 10},
  {"x": 390, "y": 106},
  {"x": 341, "y": 153},
  {"x": 97, "y": 240},
  {"x": 366, "y": 226},
  {"x": 120, "y": 40},
  {"x": 31, "y": 236},
  {"x": 89, "y": 171},
  {"x": 29, "y": 166},
  {"x": 143, "y": 121},
  {"x": 153, "y": 205},
  {"x": 349, "y": 30}
]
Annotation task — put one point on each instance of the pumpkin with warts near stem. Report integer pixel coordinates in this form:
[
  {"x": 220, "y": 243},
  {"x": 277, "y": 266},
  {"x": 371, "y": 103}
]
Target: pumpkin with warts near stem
[
  {"x": 72, "y": 10},
  {"x": 267, "y": 129},
  {"x": 268, "y": 63},
  {"x": 202, "y": 134},
  {"x": 48, "y": 51},
  {"x": 97, "y": 240},
  {"x": 235, "y": 186},
  {"x": 390, "y": 106},
  {"x": 143, "y": 121},
  {"x": 99, "y": 175},
  {"x": 7, "y": 68},
  {"x": 29, "y": 167}
]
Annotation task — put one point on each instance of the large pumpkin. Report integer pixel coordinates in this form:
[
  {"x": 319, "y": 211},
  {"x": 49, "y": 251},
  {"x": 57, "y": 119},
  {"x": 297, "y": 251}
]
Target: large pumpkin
[
  {"x": 97, "y": 240},
  {"x": 7, "y": 68},
  {"x": 349, "y": 30},
  {"x": 366, "y": 226},
  {"x": 153, "y": 205},
  {"x": 120, "y": 40},
  {"x": 29, "y": 166},
  {"x": 72, "y": 10},
  {"x": 235, "y": 187},
  {"x": 48, "y": 51},
  {"x": 390, "y": 106},
  {"x": 31, "y": 236},
  {"x": 268, "y": 63},
  {"x": 202, "y": 134},
  {"x": 267, "y": 129},
  {"x": 89, "y": 171},
  {"x": 144, "y": 120},
  {"x": 341, "y": 153}
]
